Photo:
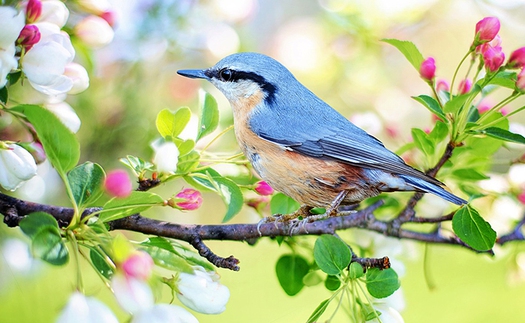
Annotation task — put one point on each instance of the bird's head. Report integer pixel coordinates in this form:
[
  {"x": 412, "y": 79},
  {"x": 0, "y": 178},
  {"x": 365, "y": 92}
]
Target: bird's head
[{"x": 244, "y": 76}]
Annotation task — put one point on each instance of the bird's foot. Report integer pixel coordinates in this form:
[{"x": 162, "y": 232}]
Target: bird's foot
[{"x": 302, "y": 214}]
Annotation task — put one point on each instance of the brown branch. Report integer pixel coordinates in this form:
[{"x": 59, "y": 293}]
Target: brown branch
[{"x": 14, "y": 210}]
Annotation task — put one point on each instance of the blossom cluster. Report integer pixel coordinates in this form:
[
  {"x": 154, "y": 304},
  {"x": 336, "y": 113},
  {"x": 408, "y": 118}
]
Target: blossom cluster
[
  {"x": 37, "y": 66},
  {"x": 487, "y": 46}
]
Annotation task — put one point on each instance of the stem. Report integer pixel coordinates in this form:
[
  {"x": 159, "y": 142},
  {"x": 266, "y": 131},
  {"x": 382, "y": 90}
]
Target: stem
[
  {"x": 456, "y": 72},
  {"x": 217, "y": 137},
  {"x": 75, "y": 251},
  {"x": 497, "y": 108}
]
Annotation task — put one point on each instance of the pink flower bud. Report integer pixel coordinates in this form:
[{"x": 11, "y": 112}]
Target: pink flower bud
[
  {"x": 192, "y": 197},
  {"x": 442, "y": 86},
  {"x": 263, "y": 188},
  {"x": 521, "y": 197},
  {"x": 118, "y": 183},
  {"x": 465, "y": 86},
  {"x": 517, "y": 58},
  {"x": 486, "y": 29},
  {"x": 484, "y": 106},
  {"x": 94, "y": 31},
  {"x": 109, "y": 16},
  {"x": 520, "y": 83},
  {"x": 493, "y": 58},
  {"x": 427, "y": 71},
  {"x": 33, "y": 10},
  {"x": 29, "y": 36},
  {"x": 258, "y": 202},
  {"x": 138, "y": 265}
]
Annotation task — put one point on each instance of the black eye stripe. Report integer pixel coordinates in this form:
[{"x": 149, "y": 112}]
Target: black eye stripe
[{"x": 231, "y": 75}]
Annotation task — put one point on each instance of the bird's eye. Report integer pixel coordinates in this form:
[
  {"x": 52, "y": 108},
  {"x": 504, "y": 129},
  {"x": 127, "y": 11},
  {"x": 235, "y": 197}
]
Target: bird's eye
[{"x": 226, "y": 75}]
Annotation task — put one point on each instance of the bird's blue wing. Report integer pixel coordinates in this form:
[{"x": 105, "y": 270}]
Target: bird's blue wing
[{"x": 330, "y": 135}]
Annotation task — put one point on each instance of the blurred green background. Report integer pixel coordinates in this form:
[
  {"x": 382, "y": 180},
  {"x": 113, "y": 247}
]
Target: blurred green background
[{"x": 334, "y": 48}]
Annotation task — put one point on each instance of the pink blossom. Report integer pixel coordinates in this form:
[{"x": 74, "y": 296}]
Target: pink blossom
[
  {"x": 29, "y": 36},
  {"x": 33, "y": 10},
  {"x": 494, "y": 58},
  {"x": 192, "y": 199},
  {"x": 486, "y": 30},
  {"x": 521, "y": 197},
  {"x": 118, "y": 183},
  {"x": 427, "y": 71},
  {"x": 138, "y": 265},
  {"x": 110, "y": 16},
  {"x": 258, "y": 202},
  {"x": 442, "y": 86},
  {"x": 465, "y": 86},
  {"x": 484, "y": 106},
  {"x": 517, "y": 58},
  {"x": 263, "y": 188}
]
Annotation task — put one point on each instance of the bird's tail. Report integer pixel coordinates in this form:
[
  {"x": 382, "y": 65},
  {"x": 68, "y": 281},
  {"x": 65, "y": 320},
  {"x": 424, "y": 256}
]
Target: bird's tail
[{"x": 428, "y": 187}]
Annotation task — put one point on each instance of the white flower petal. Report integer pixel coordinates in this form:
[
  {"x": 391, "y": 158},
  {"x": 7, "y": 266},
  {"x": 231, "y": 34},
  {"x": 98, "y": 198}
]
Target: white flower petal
[
  {"x": 94, "y": 31},
  {"x": 202, "y": 292},
  {"x": 164, "y": 313},
  {"x": 82, "y": 309},
  {"x": 79, "y": 76},
  {"x": 166, "y": 157},
  {"x": 66, "y": 114},
  {"x": 8, "y": 62},
  {"x": 132, "y": 294},
  {"x": 16, "y": 166},
  {"x": 11, "y": 23},
  {"x": 55, "y": 12}
]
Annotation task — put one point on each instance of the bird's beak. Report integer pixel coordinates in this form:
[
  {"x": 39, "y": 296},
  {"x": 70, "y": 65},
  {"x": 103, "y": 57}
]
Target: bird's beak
[{"x": 194, "y": 74}]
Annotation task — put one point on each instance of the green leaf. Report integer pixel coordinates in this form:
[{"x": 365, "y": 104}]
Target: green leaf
[
  {"x": 409, "y": 50},
  {"x": 312, "y": 278},
  {"x": 86, "y": 182},
  {"x": 230, "y": 193},
  {"x": 290, "y": 270},
  {"x": 158, "y": 242},
  {"x": 185, "y": 146},
  {"x": 170, "y": 124},
  {"x": 355, "y": 270},
  {"x": 439, "y": 133},
  {"x": 168, "y": 260},
  {"x": 282, "y": 204},
  {"x": 136, "y": 164},
  {"x": 37, "y": 221},
  {"x": 469, "y": 174},
  {"x": 49, "y": 246},
  {"x": 331, "y": 254},
  {"x": 504, "y": 135},
  {"x": 381, "y": 283},
  {"x": 60, "y": 144},
  {"x": 99, "y": 263},
  {"x": 4, "y": 95},
  {"x": 136, "y": 202},
  {"x": 472, "y": 229},
  {"x": 318, "y": 311},
  {"x": 431, "y": 104},
  {"x": 504, "y": 78},
  {"x": 209, "y": 115},
  {"x": 422, "y": 142},
  {"x": 456, "y": 103},
  {"x": 188, "y": 162},
  {"x": 332, "y": 283}
]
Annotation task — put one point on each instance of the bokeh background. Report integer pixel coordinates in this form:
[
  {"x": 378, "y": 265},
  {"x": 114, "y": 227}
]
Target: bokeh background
[{"x": 334, "y": 48}]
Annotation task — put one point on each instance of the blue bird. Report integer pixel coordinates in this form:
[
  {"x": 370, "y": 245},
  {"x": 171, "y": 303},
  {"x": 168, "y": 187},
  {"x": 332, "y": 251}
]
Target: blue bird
[{"x": 303, "y": 147}]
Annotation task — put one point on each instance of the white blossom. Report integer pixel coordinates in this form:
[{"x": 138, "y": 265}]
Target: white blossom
[
  {"x": 166, "y": 156},
  {"x": 55, "y": 12},
  {"x": 11, "y": 23},
  {"x": 65, "y": 114},
  {"x": 79, "y": 76},
  {"x": 94, "y": 31},
  {"x": 84, "y": 309},
  {"x": 164, "y": 313},
  {"x": 45, "y": 64},
  {"x": 95, "y": 6},
  {"x": 16, "y": 166},
  {"x": 202, "y": 292},
  {"x": 133, "y": 295}
]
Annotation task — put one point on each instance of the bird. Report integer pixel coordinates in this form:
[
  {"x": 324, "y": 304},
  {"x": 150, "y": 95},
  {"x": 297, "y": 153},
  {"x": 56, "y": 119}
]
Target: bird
[{"x": 303, "y": 147}]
